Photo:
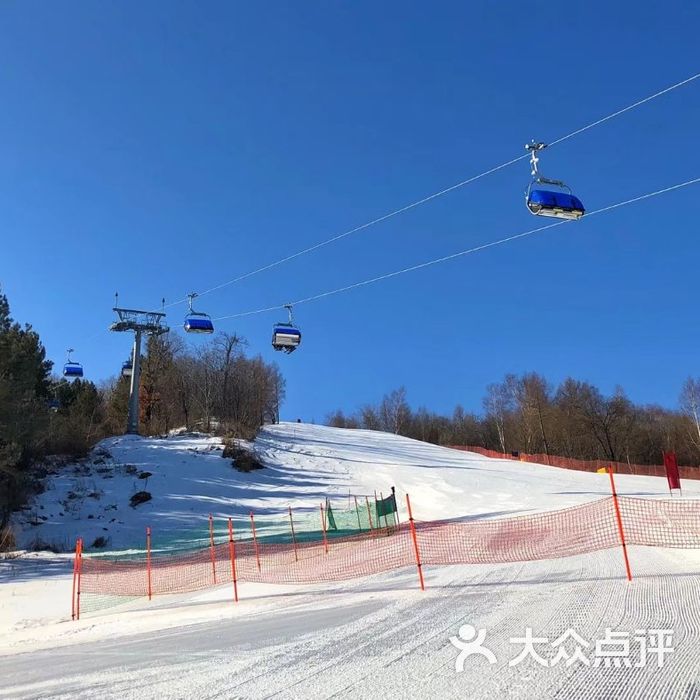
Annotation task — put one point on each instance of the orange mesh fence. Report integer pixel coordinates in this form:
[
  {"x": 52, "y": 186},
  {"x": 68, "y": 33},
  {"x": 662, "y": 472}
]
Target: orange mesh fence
[
  {"x": 104, "y": 581},
  {"x": 661, "y": 523},
  {"x": 563, "y": 533},
  {"x": 583, "y": 465}
]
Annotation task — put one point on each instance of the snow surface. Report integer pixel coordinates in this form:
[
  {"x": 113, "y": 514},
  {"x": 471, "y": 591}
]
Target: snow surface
[
  {"x": 361, "y": 638},
  {"x": 305, "y": 463}
]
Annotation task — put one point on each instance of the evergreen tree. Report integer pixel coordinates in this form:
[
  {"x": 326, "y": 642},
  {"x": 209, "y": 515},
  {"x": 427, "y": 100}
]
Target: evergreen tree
[{"x": 24, "y": 391}]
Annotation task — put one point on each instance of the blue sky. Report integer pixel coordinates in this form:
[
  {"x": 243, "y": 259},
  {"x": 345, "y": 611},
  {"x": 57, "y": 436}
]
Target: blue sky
[{"x": 162, "y": 147}]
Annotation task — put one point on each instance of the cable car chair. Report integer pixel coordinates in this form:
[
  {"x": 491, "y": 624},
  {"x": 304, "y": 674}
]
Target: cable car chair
[
  {"x": 286, "y": 336},
  {"x": 72, "y": 369},
  {"x": 127, "y": 368},
  {"x": 560, "y": 203},
  {"x": 195, "y": 321}
]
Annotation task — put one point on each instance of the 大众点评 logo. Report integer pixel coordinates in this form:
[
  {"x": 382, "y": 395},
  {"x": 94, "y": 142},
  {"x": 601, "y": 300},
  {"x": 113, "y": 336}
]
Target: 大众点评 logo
[{"x": 616, "y": 649}]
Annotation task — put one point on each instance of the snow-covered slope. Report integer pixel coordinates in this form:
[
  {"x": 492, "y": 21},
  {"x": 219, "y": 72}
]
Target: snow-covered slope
[
  {"x": 378, "y": 635},
  {"x": 443, "y": 483},
  {"x": 305, "y": 463}
]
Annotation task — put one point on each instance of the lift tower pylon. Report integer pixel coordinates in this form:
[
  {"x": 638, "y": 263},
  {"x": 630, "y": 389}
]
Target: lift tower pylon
[{"x": 138, "y": 322}]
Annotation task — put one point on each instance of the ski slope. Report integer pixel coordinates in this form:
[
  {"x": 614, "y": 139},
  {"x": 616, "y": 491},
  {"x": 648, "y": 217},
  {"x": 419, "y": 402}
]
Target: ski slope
[
  {"x": 305, "y": 463},
  {"x": 376, "y": 635}
]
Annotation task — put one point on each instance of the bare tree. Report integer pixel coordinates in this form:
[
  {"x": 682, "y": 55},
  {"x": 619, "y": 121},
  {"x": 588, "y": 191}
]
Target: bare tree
[
  {"x": 369, "y": 419},
  {"x": 499, "y": 404},
  {"x": 394, "y": 411},
  {"x": 532, "y": 394},
  {"x": 690, "y": 406}
]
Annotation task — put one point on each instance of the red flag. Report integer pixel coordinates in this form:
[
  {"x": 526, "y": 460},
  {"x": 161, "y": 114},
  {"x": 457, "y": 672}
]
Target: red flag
[{"x": 674, "y": 478}]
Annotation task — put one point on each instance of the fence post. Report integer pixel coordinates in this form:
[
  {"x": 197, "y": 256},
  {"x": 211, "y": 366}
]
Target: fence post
[
  {"x": 255, "y": 540},
  {"x": 393, "y": 493},
  {"x": 357, "y": 510},
  {"x": 379, "y": 517},
  {"x": 294, "y": 539},
  {"x": 415, "y": 543},
  {"x": 323, "y": 525},
  {"x": 80, "y": 575},
  {"x": 369, "y": 514},
  {"x": 211, "y": 546},
  {"x": 232, "y": 555},
  {"x": 619, "y": 524},
  {"x": 148, "y": 560},
  {"x": 75, "y": 579},
  {"x": 79, "y": 565}
]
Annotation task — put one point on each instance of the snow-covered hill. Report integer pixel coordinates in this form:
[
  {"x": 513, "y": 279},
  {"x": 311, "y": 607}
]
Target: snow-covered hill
[
  {"x": 378, "y": 635},
  {"x": 188, "y": 479}
]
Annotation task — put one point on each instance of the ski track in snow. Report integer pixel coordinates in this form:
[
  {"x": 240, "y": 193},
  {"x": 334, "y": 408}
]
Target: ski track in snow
[{"x": 364, "y": 638}]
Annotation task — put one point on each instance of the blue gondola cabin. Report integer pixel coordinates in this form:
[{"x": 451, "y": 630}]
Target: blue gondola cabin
[
  {"x": 199, "y": 324},
  {"x": 72, "y": 369},
  {"x": 286, "y": 338},
  {"x": 560, "y": 205}
]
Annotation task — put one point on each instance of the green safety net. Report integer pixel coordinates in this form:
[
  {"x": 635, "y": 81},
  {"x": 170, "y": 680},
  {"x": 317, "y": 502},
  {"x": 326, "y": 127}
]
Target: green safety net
[{"x": 344, "y": 516}]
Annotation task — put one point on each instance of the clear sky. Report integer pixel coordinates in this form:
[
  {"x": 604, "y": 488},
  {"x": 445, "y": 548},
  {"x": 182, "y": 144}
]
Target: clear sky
[{"x": 157, "y": 148}]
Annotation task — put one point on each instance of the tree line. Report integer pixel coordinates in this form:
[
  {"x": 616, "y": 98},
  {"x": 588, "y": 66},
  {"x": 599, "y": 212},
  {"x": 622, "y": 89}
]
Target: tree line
[
  {"x": 528, "y": 414},
  {"x": 215, "y": 388}
]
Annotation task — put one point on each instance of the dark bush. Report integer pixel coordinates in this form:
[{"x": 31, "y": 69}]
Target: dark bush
[
  {"x": 139, "y": 497},
  {"x": 100, "y": 542},
  {"x": 40, "y": 545},
  {"x": 242, "y": 459}
]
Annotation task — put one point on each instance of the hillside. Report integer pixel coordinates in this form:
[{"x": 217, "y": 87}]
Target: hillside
[
  {"x": 304, "y": 464},
  {"x": 377, "y": 634}
]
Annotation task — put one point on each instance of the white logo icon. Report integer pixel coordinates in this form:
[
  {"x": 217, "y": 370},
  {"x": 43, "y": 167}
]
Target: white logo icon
[{"x": 470, "y": 642}]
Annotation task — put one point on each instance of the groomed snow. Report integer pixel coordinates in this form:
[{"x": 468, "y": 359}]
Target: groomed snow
[{"x": 378, "y": 635}]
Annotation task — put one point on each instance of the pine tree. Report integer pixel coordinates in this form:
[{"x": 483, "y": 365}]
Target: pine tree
[{"x": 24, "y": 390}]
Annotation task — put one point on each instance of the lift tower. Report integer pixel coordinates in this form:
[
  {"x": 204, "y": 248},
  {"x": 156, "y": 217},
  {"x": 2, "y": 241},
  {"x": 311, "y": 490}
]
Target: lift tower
[{"x": 138, "y": 322}]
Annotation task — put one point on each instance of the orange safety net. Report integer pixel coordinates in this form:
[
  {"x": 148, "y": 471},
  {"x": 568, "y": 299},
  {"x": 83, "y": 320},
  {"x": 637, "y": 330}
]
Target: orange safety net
[
  {"x": 582, "y": 465},
  {"x": 563, "y": 533}
]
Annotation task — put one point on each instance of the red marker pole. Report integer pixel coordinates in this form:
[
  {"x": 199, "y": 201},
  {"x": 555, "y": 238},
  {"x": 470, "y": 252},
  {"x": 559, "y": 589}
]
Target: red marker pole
[
  {"x": 148, "y": 560},
  {"x": 232, "y": 555},
  {"x": 75, "y": 579},
  {"x": 80, "y": 572},
  {"x": 77, "y": 567},
  {"x": 619, "y": 524},
  {"x": 415, "y": 543}
]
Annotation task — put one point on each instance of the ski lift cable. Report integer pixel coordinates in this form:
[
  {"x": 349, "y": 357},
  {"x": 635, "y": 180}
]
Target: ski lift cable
[
  {"x": 424, "y": 200},
  {"x": 357, "y": 229},
  {"x": 462, "y": 253},
  {"x": 440, "y": 193},
  {"x": 619, "y": 112}
]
